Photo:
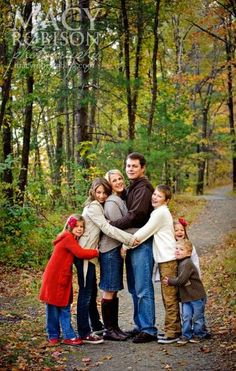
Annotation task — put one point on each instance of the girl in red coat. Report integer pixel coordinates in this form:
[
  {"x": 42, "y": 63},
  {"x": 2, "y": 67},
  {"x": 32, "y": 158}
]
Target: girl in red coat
[{"x": 56, "y": 290}]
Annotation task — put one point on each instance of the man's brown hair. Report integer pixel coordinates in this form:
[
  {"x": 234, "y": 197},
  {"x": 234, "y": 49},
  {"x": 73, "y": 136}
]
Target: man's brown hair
[{"x": 137, "y": 156}]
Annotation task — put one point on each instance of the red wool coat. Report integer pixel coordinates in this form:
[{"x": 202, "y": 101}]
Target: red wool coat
[{"x": 56, "y": 286}]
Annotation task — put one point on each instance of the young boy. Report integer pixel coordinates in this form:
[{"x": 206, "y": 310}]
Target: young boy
[
  {"x": 160, "y": 226},
  {"x": 192, "y": 295}
]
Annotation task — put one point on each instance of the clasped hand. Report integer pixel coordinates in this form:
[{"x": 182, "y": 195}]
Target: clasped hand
[{"x": 165, "y": 281}]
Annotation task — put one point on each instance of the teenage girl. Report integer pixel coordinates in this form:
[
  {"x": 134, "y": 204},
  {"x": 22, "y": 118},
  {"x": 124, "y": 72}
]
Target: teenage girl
[
  {"x": 95, "y": 223},
  {"x": 56, "y": 290}
]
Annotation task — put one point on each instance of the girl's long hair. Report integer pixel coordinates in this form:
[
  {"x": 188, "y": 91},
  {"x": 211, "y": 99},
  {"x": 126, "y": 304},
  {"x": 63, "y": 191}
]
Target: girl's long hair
[
  {"x": 68, "y": 224},
  {"x": 184, "y": 226},
  {"x": 97, "y": 183}
]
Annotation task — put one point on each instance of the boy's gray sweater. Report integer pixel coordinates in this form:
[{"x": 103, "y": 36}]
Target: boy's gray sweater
[{"x": 188, "y": 281}]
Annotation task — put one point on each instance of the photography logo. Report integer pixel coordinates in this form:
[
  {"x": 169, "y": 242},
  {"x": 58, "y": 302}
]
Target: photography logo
[{"x": 74, "y": 26}]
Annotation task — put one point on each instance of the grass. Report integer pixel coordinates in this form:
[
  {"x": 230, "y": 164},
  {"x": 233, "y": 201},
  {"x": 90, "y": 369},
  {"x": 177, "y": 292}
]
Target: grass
[
  {"x": 186, "y": 206},
  {"x": 220, "y": 281}
]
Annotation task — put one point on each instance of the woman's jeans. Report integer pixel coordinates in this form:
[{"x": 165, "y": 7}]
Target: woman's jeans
[
  {"x": 139, "y": 267},
  {"x": 193, "y": 319},
  {"x": 86, "y": 305},
  {"x": 56, "y": 316}
]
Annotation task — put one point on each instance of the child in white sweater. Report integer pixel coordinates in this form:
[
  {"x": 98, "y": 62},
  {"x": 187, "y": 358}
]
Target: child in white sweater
[{"x": 160, "y": 226}]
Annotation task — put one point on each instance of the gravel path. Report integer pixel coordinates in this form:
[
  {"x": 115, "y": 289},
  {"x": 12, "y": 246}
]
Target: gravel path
[{"x": 217, "y": 219}]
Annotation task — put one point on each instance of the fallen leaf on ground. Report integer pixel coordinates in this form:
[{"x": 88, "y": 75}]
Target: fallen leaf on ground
[{"x": 205, "y": 349}]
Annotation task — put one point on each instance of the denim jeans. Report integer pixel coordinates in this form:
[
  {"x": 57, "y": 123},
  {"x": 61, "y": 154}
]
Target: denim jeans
[
  {"x": 193, "y": 319},
  {"x": 94, "y": 317},
  {"x": 56, "y": 316},
  {"x": 86, "y": 305},
  {"x": 139, "y": 267}
]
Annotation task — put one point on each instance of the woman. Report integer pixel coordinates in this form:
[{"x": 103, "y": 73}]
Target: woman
[
  {"x": 95, "y": 222},
  {"x": 111, "y": 262}
]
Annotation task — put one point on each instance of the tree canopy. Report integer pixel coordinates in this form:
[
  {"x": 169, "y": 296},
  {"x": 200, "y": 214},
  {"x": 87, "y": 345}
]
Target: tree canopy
[{"x": 85, "y": 82}]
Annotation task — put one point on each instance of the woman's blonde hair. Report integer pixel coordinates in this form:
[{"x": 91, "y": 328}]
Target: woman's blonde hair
[{"x": 107, "y": 176}]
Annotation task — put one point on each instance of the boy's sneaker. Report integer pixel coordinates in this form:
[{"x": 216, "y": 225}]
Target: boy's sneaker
[
  {"x": 167, "y": 340},
  {"x": 73, "y": 342},
  {"x": 53, "y": 341},
  {"x": 98, "y": 329},
  {"x": 99, "y": 332},
  {"x": 93, "y": 339},
  {"x": 195, "y": 340},
  {"x": 183, "y": 340}
]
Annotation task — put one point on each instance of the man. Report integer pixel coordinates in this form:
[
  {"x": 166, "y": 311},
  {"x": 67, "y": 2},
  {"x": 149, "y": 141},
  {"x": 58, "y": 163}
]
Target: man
[{"x": 139, "y": 261}]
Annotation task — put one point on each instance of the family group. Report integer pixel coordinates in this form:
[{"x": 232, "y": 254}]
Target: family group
[{"x": 132, "y": 224}]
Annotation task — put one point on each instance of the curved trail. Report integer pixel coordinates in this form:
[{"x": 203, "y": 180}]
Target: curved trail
[{"x": 216, "y": 220}]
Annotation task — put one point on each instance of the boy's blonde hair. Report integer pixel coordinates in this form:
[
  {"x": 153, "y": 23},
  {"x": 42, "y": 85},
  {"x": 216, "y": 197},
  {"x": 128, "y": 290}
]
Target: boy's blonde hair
[
  {"x": 187, "y": 245},
  {"x": 165, "y": 189}
]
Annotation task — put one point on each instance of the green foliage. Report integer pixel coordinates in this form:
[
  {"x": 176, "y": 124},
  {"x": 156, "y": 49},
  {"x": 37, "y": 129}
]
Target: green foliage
[{"x": 25, "y": 239}]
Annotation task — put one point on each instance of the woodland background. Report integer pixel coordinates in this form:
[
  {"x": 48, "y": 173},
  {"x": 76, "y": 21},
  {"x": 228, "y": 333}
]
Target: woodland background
[{"x": 83, "y": 83}]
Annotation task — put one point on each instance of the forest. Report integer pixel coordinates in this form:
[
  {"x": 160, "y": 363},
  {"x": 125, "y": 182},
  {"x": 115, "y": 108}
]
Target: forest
[{"x": 84, "y": 83}]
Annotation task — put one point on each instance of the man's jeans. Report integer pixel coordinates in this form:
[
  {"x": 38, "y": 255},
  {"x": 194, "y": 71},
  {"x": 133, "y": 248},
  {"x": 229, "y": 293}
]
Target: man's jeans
[
  {"x": 87, "y": 312},
  {"x": 193, "y": 319},
  {"x": 139, "y": 267},
  {"x": 56, "y": 316}
]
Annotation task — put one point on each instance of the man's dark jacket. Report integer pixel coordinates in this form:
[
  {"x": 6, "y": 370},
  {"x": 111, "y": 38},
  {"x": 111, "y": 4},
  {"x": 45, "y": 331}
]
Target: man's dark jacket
[{"x": 138, "y": 200}]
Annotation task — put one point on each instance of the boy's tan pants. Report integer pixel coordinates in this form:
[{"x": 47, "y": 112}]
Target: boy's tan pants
[{"x": 170, "y": 299}]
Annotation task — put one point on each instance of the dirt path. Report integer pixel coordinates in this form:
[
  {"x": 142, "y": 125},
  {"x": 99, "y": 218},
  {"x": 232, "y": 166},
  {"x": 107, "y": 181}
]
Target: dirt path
[{"x": 217, "y": 219}]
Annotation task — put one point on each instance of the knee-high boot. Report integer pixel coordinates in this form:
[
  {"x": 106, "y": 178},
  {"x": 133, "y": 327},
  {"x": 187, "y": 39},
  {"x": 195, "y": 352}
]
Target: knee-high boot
[
  {"x": 108, "y": 320},
  {"x": 115, "y": 312}
]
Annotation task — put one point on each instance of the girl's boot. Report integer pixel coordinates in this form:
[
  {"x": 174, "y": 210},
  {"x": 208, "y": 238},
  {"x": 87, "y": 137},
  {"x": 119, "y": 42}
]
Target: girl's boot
[{"x": 108, "y": 320}]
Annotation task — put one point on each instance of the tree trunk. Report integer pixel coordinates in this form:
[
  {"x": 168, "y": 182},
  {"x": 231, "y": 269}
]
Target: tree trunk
[
  {"x": 82, "y": 110},
  {"x": 131, "y": 128},
  {"x": 200, "y": 179},
  {"x": 73, "y": 131},
  {"x": 7, "y": 153},
  {"x": 154, "y": 69},
  {"x": 230, "y": 56},
  {"x": 137, "y": 60},
  {"x": 22, "y": 182},
  {"x": 69, "y": 157},
  {"x": 95, "y": 90},
  {"x": 58, "y": 161},
  {"x": 202, "y": 149},
  {"x": 8, "y": 67}
]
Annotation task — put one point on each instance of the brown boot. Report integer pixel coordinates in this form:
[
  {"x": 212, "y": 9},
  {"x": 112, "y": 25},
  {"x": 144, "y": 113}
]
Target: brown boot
[
  {"x": 115, "y": 312},
  {"x": 110, "y": 332}
]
